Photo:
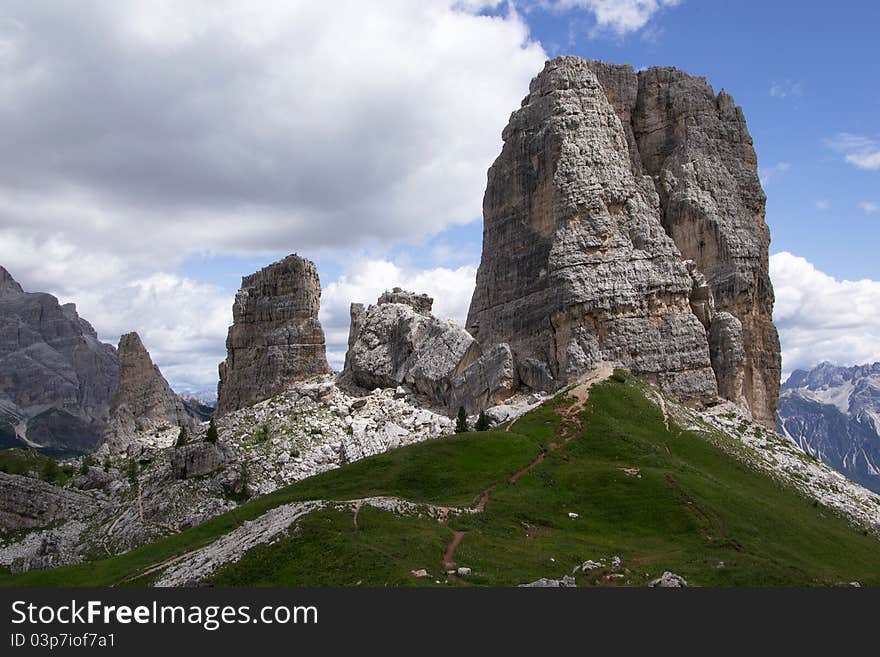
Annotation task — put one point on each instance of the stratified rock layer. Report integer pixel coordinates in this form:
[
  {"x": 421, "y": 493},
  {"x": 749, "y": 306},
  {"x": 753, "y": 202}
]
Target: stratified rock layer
[
  {"x": 696, "y": 147},
  {"x": 275, "y": 337},
  {"x": 608, "y": 180},
  {"x": 144, "y": 403},
  {"x": 56, "y": 377}
]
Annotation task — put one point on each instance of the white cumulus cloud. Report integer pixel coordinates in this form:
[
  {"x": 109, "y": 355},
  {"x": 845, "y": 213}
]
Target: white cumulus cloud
[
  {"x": 822, "y": 318},
  {"x": 151, "y": 130},
  {"x": 860, "y": 151},
  {"x": 766, "y": 174},
  {"x": 137, "y": 134},
  {"x": 617, "y": 16}
]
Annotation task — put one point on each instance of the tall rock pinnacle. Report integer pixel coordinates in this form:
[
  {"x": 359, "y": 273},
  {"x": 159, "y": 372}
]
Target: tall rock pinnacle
[
  {"x": 144, "y": 403},
  {"x": 608, "y": 183},
  {"x": 275, "y": 337}
]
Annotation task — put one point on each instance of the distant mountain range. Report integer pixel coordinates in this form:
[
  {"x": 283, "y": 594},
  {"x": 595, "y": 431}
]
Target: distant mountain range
[
  {"x": 58, "y": 382},
  {"x": 56, "y": 377},
  {"x": 833, "y": 413}
]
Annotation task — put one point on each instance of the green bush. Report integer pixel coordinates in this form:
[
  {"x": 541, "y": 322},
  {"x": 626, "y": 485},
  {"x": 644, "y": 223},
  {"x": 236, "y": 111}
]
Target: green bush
[
  {"x": 212, "y": 436},
  {"x": 482, "y": 423},
  {"x": 461, "y": 425},
  {"x": 50, "y": 471},
  {"x": 181, "y": 437},
  {"x": 262, "y": 434}
]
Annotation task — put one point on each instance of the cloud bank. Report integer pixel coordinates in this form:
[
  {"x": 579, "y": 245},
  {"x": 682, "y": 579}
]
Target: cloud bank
[{"x": 821, "y": 318}]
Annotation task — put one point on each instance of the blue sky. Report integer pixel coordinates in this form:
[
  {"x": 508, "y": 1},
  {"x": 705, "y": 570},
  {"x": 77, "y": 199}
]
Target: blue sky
[{"x": 159, "y": 151}]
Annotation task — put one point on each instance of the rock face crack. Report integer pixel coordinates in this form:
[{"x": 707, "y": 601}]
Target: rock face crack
[{"x": 658, "y": 175}]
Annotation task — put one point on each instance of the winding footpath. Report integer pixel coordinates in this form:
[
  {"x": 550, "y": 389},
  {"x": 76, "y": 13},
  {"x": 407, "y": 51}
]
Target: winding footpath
[{"x": 571, "y": 426}]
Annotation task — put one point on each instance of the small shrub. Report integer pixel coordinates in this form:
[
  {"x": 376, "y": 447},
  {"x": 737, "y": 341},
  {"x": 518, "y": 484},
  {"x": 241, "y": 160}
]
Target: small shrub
[
  {"x": 245, "y": 480},
  {"x": 461, "y": 425},
  {"x": 262, "y": 434},
  {"x": 131, "y": 470},
  {"x": 181, "y": 437},
  {"x": 212, "y": 436},
  {"x": 85, "y": 465},
  {"x": 50, "y": 471},
  {"x": 482, "y": 422}
]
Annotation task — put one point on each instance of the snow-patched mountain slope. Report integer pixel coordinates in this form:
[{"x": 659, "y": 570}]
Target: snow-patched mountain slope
[{"x": 833, "y": 413}]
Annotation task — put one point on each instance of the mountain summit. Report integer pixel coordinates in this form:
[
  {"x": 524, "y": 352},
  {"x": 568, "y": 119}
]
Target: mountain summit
[{"x": 624, "y": 223}]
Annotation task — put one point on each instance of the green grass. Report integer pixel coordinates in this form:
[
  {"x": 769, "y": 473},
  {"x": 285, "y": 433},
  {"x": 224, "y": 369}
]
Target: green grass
[
  {"x": 21, "y": 461},
  {"x": 692, "y": 508}
]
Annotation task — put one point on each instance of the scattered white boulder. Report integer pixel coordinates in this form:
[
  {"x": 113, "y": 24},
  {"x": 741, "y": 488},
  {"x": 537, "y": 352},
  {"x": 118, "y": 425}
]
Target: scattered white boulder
[
  {"x": 544, "y": 583},
  {"x": 669, "y": 580}
]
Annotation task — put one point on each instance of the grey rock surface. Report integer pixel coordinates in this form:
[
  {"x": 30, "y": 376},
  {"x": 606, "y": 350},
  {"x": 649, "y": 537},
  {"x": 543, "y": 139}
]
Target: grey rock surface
[
  {"x": 144, "y": 403},
  {"x": 696, "y": 147},
  {"x": 398, "y": 342},
  {"x": 198, "y": 459},
  {"x": 607, "y": 182},
  {"x": 544, "y": 583},
  {"x": 275, "y": 338},
  {"x": 56, "y": 377},
  {"x": 485, "y": 382},
  {"x": 669, "y": 580},
  {"x": 728, "y": 355},
  {"x": 26, "y": 503}
]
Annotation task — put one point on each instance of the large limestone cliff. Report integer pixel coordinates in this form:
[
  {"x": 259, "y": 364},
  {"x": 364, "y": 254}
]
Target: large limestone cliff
[
  {"x": 275, "y": 337},
  {"x": 608, "y": 184}
]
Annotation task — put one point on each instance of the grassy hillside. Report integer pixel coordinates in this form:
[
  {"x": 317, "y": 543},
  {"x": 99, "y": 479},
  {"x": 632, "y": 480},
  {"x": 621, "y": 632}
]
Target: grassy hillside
[
  {"x": 660, "y": 499},
  {"x": 21, "y": 461}
]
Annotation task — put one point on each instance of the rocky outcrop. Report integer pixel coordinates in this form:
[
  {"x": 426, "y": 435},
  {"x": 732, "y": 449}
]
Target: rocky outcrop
[
  {"x": 56, "y": 377},
  {"x": 27, "y": 503},
  {"x": 275, "y": 337},
  {"x": 198, "y": 459},
  {"x": 697, "y": 149},
  {"x": 608, "y": 183},
  {"x": 144, "y": 404},
  {"x": 399, "y": 342},
  {"x": 490, "y": 379}
]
